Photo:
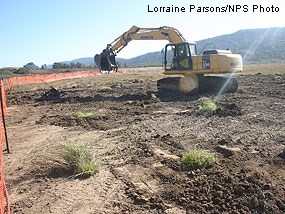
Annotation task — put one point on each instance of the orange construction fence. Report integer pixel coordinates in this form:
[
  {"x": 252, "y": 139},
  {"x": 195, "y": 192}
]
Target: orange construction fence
[
  {"x": 22, "y": 80},
  {"x": 4, "y": 199}
]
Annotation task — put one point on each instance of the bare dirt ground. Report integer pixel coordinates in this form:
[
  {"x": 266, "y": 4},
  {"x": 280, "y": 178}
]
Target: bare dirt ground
[{"x": 139, "y": 141}]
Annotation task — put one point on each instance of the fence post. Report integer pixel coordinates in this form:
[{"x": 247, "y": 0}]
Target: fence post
[{"x": 3, "y": 113}]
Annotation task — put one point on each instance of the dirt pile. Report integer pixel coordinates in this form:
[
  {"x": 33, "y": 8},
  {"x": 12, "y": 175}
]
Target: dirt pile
[{"x": 52, "y": 94}]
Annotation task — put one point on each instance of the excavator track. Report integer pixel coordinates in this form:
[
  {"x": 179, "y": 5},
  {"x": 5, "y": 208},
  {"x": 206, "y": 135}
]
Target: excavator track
[
  {"x": 168, "y": 83},
  {"x": 218, "y": 84},
  {"x": 206, "y": 84}
]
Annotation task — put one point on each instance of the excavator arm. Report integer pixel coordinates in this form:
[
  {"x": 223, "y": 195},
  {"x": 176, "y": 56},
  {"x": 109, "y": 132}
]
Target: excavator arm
[
  {"x": 136, "y": 33},
  {"x": 106, "y": 60}
]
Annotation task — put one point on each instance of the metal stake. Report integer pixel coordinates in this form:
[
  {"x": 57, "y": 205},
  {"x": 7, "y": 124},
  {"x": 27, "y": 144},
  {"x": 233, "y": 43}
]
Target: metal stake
[{"x": 3, "y": 119}]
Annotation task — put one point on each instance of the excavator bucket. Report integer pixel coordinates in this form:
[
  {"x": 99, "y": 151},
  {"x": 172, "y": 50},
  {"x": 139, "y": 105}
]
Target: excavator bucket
[
  {"x": 97, "y": 60},
  {"x": 106, "y": 61}
]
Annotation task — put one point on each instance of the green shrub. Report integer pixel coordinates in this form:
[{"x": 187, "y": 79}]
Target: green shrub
[
  {"x": 5, "y": 73},
  {"x": 77, "y": 159},
  {"x": 197, "y": 159},
  {"x": 22, "y": 71},
  {"x": 207, "y": 107},
  {"x": 86, "y": 115}
]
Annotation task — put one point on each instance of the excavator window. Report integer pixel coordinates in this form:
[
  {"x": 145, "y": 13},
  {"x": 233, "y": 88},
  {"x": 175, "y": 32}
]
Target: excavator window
[
  {"x": 182, "y": 51},
  {"x": 193, "y": 49},
  {"x": 178, "y": 57},
  {"x": 170, "y": 54}
]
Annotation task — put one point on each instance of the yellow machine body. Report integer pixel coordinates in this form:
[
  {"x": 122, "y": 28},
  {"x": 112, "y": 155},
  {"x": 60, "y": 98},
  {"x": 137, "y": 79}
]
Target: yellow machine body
[{"x": 180, "y": 58}]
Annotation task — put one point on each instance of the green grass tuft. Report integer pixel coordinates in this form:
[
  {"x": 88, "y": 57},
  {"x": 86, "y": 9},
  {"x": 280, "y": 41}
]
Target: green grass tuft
[
  {"x": 207, "y": 107},
  {"x": 197, "y": 159},
  {"x": 106, "y": 88},
  {"x": 86, "y": 115},
  {"x": 78, "y": 159}
]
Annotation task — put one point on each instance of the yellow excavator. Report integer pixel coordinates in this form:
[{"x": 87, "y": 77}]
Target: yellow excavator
[{"x": 181, "y": 59}]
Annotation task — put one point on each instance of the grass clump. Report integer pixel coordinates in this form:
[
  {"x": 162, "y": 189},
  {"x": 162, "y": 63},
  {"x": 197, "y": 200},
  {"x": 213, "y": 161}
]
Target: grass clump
[
  {"x": 197, "y": 159},
  {"x": 77, "y": 159},
  {"x": 106, "y": 88},
  {"x": 86, "y": 115},
  {"x": 207, "y": 107}
]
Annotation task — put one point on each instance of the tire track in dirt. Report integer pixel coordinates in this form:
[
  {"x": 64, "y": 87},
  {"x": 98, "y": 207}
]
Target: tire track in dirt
[{"x": 94, "y": 195}]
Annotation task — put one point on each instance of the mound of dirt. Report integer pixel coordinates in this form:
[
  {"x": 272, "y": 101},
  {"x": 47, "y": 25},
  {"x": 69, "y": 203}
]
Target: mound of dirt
[
  {"x": 225, "y": 110},
  {"x": 52, "y": 94}
]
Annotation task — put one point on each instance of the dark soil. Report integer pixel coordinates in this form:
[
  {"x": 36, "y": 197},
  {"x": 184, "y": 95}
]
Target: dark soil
[{"x": 147, "y": 137}]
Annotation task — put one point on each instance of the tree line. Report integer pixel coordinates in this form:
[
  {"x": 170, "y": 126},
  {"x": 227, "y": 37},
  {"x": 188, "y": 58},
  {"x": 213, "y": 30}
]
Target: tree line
[{"x": 59, "y": 65}]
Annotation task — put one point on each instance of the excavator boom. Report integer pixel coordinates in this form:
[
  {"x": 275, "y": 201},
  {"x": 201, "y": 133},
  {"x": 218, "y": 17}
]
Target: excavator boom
[
  {"x": 106, "y": 60},
  {"x": 135, "y": 33}
]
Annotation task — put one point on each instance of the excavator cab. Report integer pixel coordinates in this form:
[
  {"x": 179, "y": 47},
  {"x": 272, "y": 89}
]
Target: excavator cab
[{"x": 178, "y": 56}]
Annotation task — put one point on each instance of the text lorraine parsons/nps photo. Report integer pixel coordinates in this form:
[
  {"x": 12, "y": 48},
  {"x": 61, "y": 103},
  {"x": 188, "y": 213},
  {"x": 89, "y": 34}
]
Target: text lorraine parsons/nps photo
[{"x": 229, "y": 8}]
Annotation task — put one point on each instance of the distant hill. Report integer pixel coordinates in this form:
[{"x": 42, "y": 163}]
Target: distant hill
[
  {"x": 255, "y": 45},
  {"x": 89, "y": 61}
]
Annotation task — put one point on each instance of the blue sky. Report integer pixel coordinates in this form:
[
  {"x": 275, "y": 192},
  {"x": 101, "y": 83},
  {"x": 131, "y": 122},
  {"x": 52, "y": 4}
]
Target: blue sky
[{"x": 48, "y": 31}]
